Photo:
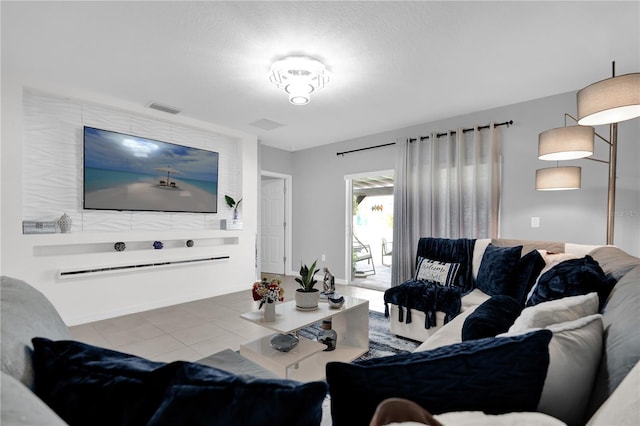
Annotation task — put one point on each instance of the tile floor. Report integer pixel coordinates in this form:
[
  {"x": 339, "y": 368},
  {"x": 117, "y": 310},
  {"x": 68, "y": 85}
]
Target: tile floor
[
  {"x": 381, "y": 280},
  {"x": 193, "y": 330}
]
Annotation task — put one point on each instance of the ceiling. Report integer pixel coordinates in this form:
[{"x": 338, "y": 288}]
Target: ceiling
[{"x": 393, "y": 64}]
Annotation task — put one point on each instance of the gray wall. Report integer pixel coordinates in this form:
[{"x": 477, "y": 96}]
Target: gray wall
[
  {"x": 276, "y": 160},
  {"x": 574, "y": 216}
]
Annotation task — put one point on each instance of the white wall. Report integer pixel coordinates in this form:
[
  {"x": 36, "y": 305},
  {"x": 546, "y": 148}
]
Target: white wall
[
  {"x": 38, "y": 258},
  {"x": 574, "y": 216}
]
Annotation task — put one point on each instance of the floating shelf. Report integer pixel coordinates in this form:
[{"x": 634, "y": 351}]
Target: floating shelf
[
  {"x": 78, "y": 244},
  {"x": 109, "y": 269}
]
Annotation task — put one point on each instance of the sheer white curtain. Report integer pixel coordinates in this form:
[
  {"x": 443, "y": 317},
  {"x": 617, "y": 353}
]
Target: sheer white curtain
[{"x": 445, "y": 187}]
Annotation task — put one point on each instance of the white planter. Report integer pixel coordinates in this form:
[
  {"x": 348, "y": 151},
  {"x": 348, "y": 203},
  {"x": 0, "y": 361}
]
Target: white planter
[{"x": 307, "y": 299}]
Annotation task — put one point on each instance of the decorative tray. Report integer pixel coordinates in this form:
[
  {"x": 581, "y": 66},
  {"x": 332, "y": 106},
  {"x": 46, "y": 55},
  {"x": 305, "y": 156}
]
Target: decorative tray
[{"x": 284, "y": 342}]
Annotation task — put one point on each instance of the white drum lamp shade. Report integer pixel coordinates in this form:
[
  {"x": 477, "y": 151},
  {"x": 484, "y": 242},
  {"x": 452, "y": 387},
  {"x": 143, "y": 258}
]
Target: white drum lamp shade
[
  {"x": 566, "y": 143},
  {"x": 610, "y": 101},
  {"x": 558, "y": 178}
]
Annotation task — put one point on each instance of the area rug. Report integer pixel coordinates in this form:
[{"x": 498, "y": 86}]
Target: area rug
[{"x": 381, "y": 341}]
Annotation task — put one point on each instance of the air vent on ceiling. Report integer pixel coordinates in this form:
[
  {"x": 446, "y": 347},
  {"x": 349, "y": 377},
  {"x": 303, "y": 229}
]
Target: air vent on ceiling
[
  {"x": 163, "y": 108},
  {"x": 266, "y": 124}
]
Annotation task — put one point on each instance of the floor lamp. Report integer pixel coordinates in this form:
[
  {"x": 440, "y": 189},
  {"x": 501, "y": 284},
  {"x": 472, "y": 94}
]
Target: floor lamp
[{"x": 608, "y": 101}]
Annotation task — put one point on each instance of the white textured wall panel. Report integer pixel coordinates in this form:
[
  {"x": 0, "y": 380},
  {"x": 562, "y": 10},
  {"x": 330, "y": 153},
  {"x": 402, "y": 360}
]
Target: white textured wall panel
[{"x": 52, "y": 165}]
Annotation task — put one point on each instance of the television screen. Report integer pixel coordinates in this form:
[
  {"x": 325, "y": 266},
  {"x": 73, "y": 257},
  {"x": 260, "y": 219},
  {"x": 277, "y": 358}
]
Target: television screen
[{"x": 126, "y": 172}]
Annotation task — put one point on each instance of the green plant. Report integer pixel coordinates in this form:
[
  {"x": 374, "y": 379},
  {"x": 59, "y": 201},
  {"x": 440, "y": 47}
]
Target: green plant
[
  {"x": 306, "y": 279},
  {"x": 231, "y": 202}
]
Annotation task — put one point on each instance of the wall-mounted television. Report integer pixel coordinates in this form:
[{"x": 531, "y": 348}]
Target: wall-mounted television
[{"x": 127, "y": 172}]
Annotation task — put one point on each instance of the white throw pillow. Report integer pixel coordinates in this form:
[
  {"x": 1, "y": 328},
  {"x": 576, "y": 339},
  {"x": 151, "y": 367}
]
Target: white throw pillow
[
  {"x": 556, "y": 311},
  {"x": 580, "y": 249},
  {"x": 574, "y": 356},
  {"x": 442, "y": 273},
  {"x": 478, "y": 418}
]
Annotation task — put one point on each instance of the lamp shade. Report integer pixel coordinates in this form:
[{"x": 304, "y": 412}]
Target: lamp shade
[
  {"x": 566, "y": 143},
  {"x": 558, "y": 178},
  {"x": 610, "y": 101}
]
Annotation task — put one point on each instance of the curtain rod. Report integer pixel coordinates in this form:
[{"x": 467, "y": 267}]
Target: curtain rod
[{"x": 505, "y": 123}]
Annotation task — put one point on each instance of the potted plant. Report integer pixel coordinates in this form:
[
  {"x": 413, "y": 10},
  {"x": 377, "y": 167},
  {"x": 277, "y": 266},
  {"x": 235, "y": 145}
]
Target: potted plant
[
  {"x": 234, "y": 205},
  {"x": 307, "y": 296}
]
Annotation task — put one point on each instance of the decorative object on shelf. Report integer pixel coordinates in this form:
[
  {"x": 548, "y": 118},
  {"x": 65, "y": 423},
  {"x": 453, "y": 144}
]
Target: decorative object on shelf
[
  {"x": 284, "y": 342},
  {"x": 307, "y": 296},
  {"x": 189, "y": 243},
  {"x": 230, "y": 224},
  {"x": 119, "y": 246},
  {"x": 37, "y": 227},
  {"x": 158, "y": 245},
  {"x": 65, "y": 223},
  {"x": 327, "y": 336},
  {"x": 335, "y": 301},
  {"x": 268, "y": 293},
  {"x": 328, "y": 283},
  {"x": 234, "y": 205}
]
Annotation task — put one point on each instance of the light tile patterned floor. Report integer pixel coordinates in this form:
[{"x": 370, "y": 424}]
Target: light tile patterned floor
[{"x": 193, "y": 330}]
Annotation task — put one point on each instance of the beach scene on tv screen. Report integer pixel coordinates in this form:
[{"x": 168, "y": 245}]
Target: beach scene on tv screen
[{"x": 124, "y": 172}]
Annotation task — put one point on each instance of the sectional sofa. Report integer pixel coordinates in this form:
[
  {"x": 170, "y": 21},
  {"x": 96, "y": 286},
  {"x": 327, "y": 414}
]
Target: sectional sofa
[
  {"x": 586, "y": 367},
  {"x": 233, "y": 390}
]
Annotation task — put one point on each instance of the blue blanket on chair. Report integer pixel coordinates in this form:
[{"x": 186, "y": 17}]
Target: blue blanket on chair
[
  {"x": 424, "y": 296},
  {"x": 427, "y": 296}
]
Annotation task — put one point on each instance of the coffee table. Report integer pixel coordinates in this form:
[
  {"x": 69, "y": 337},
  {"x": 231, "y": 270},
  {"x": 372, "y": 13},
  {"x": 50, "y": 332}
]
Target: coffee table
[{"x": 306, "y": 362}]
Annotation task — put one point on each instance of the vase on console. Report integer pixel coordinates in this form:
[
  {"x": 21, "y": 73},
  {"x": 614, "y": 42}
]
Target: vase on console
[
  {"x": 268, "y": 293},
  {"x": 270, "y": 311}
]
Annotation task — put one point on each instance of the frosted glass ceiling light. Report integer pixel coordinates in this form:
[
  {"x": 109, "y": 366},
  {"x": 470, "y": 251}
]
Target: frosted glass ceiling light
[
  {"x": 566, "y": 143},
  {"x": 299, "y": 76},
  {"x": 558, "y": 178},
  {"x": 610, "y": 101}
]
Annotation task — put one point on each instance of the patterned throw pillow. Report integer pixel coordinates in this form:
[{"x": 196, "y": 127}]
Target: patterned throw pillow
[{"x": 442, "y": 273}]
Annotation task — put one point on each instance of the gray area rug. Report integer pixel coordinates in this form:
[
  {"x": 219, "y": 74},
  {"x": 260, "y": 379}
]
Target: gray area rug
[{"x": 381, "y": 341}]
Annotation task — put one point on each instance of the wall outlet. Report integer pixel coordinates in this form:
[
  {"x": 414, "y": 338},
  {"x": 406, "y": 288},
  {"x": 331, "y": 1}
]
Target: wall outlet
[
  {"x": 324, "y": 257},
  {"x": 535, "y": 222}
]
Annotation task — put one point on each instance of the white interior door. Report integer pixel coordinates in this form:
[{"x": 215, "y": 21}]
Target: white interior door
[{"x": 273, "y": 223}]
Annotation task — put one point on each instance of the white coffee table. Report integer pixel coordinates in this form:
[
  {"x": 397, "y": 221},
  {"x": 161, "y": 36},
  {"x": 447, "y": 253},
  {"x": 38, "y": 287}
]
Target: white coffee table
[{"x": 306, "y": 362}]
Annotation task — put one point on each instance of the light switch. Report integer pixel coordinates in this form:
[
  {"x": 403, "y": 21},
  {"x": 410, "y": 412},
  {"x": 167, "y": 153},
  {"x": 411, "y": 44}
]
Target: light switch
[{"x": 535, "y": 222}]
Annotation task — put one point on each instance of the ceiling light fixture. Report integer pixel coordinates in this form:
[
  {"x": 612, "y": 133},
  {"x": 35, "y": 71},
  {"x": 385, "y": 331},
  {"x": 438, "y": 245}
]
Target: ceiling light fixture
[{"x": 299, "y": 76}]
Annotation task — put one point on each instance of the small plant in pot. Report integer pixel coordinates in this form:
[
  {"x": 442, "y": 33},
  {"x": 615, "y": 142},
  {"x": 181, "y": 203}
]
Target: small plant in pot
[
  {"x": 234, "y": 205},
  {"x": 307, "y": 296}
]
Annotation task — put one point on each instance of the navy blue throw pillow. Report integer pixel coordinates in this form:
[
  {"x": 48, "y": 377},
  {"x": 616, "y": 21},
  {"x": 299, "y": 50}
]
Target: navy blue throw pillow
[
  {"x": 572, "y": 277},
  {"x": 524, "y": 275},
  {"x": 491, "y": 318},
  {"x": 495, "y": 375},
  {"x": 201, "y": 395},
  {"x": 495, "y": 272},
  {"x": 88, "y": 385}
]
